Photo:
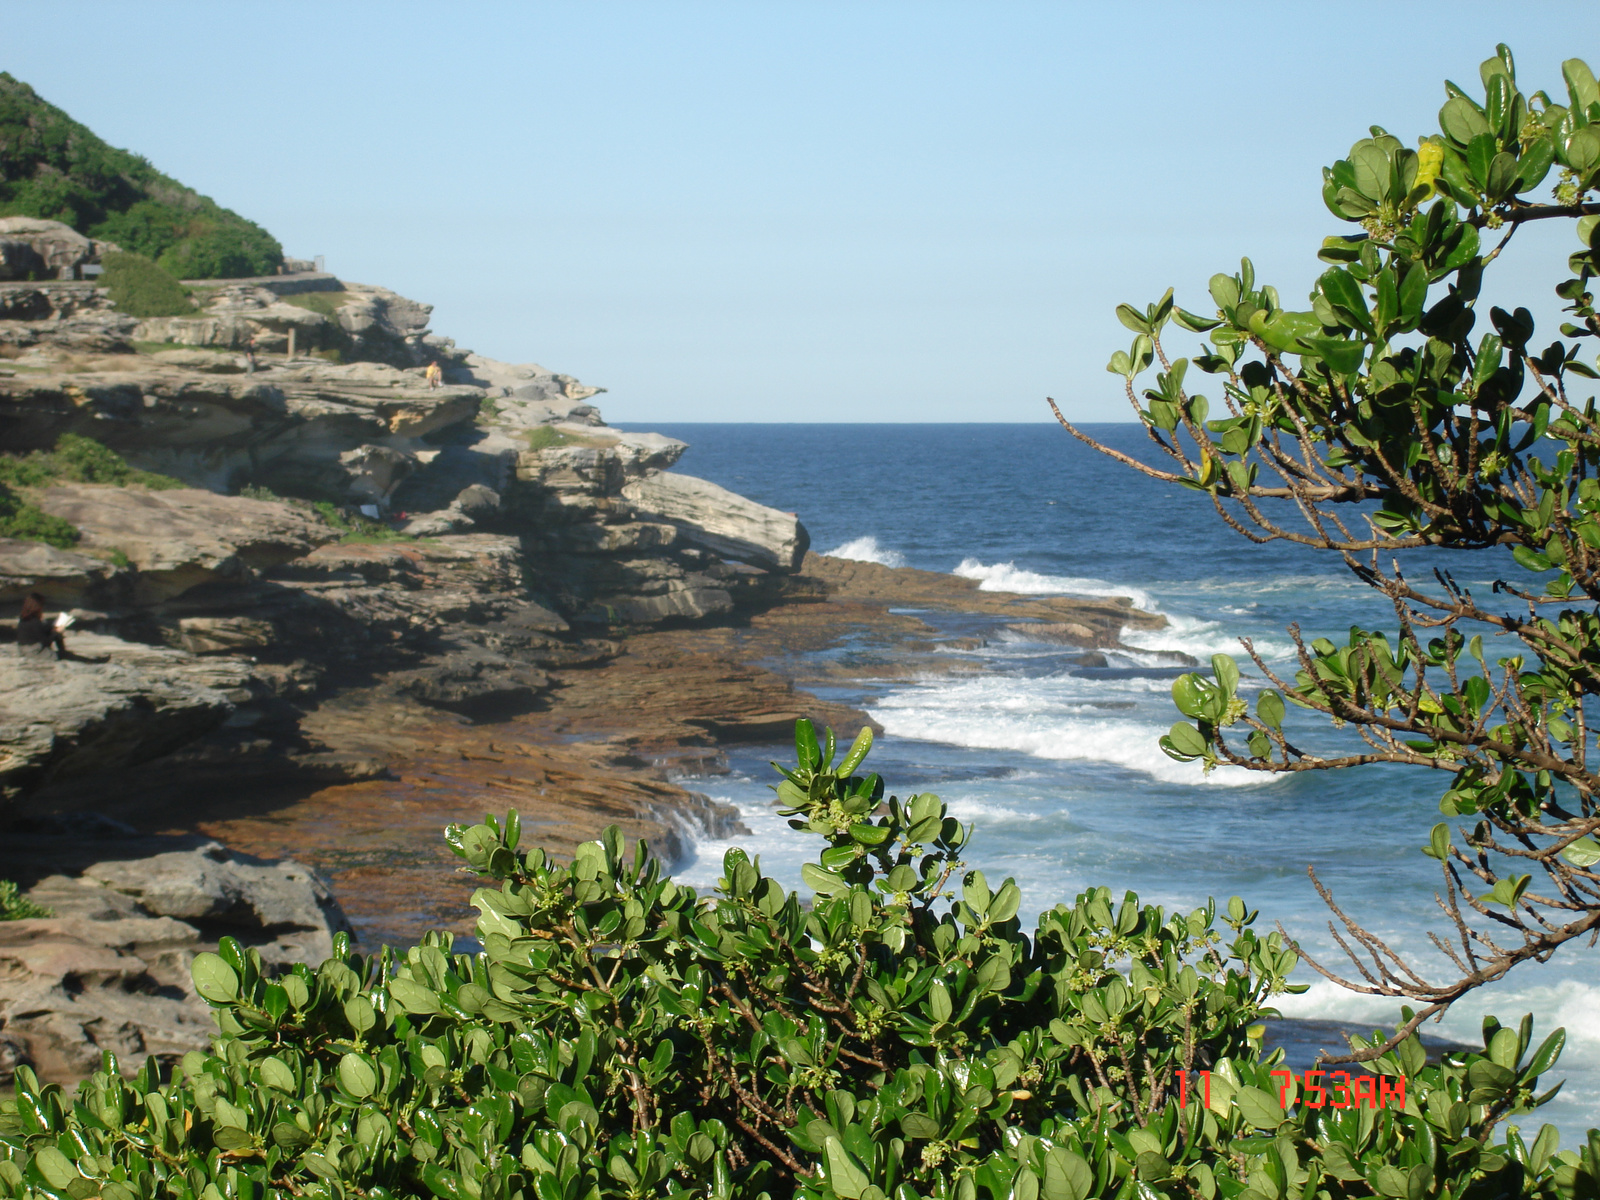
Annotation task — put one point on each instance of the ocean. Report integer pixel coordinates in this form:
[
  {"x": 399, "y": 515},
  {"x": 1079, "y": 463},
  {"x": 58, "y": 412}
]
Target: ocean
[{"x": 1057, "y": 767}]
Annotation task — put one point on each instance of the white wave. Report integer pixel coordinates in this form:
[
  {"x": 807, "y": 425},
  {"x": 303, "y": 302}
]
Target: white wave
[
  {"x": 1044, "y": 718},
  {"x": 1008, "y": 577},
  {"x": 1201, "y": 639},
  {"x": 866, "y": 549}
]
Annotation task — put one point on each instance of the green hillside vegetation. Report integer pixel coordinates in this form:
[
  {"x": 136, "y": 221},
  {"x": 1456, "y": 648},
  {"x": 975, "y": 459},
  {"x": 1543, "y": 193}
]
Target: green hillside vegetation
[{"x": 54, "y": 168}]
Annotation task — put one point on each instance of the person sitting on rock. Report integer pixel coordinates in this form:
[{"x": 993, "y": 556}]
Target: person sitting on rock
[
  {"x": 35, "y": 631},
  {"x": 434, "y": 374}
]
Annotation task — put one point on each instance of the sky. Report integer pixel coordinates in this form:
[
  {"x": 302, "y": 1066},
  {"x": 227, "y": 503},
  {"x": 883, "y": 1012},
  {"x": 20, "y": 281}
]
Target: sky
[{"x": 767, "y": 211}]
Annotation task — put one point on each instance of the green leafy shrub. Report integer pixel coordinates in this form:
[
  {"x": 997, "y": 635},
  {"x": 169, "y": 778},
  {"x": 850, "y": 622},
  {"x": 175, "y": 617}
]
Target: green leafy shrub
[
  {"x": 1385, "y": 417},
  {"x": 621, "y": 1036},
  {"x": 354, "y": 527},
  {"x": 53, "y": 167},
  {"x": 140, "y": 288},
  {"x": 77, "y": 459},
  {"x": 14, "y": 906},
  {"x": 21, "y": 520}
]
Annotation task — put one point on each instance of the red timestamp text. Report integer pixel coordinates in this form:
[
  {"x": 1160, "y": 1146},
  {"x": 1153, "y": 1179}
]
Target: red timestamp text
[{"x": 1318, "y": 1089}]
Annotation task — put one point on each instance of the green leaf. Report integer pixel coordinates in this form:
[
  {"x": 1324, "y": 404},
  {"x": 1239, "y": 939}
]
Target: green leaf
[
  {"x": 1006, "y": 903},
  {"x": 214, "y": 979},
  {"x": 275, "y": 1073},
  {"x": 1192, "y": 322},
  {"x": 1189, "y": 693},
  {"x": 1226, "y": 672},
  {"x": 919, "y": 1125},
  {"x": 1259, "y": 1108},
  {"x": 414, "y": 997},
  {"x": 1438, "y": 842},
  {"x": 845, "y": 1177},
  {"x": 1184, "y": 742},
  {"x": 1545, "y": 1056},
  {"x": 939, "y": 1006},
  {"x": 1343, "y": 357},
  {"x": 1530, "y": 559},
  {"x": 1133, "y": 318},
  {"x": 1583, "y": 853},
  {"x": 824, "y": 882},
  {"x": 357, "y": 1076},
  {"x": 1269, "y": 709},
  {"x": 56, "y": 1168},
  {"x": 858, "y": 752},
  {"x": 1067, "y": 1176}
]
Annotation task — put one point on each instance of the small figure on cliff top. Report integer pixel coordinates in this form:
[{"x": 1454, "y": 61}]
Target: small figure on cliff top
[
  {"x": 37, "y": 633},
  {"x": 434, "y": 374}
]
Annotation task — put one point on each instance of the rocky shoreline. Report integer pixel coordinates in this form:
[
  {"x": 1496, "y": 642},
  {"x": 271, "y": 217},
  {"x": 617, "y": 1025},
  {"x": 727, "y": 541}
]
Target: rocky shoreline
[{"x": 357, "y": 608}]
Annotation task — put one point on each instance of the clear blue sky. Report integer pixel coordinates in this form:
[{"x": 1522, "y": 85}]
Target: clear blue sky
[{"x": 782, "y": 211}]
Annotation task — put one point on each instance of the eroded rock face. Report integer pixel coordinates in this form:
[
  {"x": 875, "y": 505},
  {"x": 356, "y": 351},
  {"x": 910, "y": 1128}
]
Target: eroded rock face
[
  {"x": 721, "y": 521},
  {"x": 66, "y": 719},
  {"x": 286, "y": 426},
  {"x": 184, "y": 537},
  {"x": 31, "y": 245},
  {"x": 65, "y": 578},
  {"x": 109, "y": 970}
]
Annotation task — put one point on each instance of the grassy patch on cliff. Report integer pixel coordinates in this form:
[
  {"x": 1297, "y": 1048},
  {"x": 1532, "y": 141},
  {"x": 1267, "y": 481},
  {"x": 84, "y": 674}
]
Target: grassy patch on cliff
[
  {"x": 78, "y": 459},
  {"x": 548, "y": 437},
  {"x": 326, "y": 303},
  {"x": 57, "y": 169},
  {"x": 158, "y": 347},
  {"x": 356, "y": 528}
]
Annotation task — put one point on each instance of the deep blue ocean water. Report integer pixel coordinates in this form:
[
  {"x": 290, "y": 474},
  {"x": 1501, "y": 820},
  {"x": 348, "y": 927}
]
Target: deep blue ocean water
[{"x": 1058, "y": 769}]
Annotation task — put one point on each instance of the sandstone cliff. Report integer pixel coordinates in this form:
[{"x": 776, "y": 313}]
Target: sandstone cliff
[{"x": 343, "y": 522}]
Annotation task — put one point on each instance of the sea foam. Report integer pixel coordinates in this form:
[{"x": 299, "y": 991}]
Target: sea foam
[
  {"x": 866, "y": 549},
  {"x": 1008, "y": 577},
  {"x": 1050, "y": 718}
]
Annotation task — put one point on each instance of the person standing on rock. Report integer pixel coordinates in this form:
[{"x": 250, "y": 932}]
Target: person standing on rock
[
  {"x": 250, "y": 355},
  {"x": 35, "y": 632},
  {"x": 434, "y": 374}
]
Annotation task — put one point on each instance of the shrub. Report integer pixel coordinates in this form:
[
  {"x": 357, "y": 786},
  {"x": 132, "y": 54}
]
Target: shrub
[
  {"x": 356, "y": 528},
  {"x": 622, "y": 1036},
  {"x": 142, "y": 289},
  {"x": 1376, "y": 422},
  {"x": 19, "y": 519},
  {"x": 77, "y": 459},
  {"x": 14, "y": 906}
]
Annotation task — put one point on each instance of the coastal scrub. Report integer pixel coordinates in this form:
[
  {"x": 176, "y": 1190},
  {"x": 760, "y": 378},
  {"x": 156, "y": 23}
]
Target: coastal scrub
[
  {"x": 1385, "y": 419},
  {"x": 620, "y": 1035}
]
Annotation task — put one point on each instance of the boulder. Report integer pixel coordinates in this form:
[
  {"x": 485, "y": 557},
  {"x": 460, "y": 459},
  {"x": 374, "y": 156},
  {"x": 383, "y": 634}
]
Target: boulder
[
  {"x": 213, "y": 886},
  {"x": 721, "y": 521},
  {"x": 65, "y": 719},
  {"x": 375, "y": 471},
  {"x": 474, "y": 682},
  {"x": 225, "y": 635},
  {"x": 109, "y": 968},
  {"x": 30, "y": 245},
  {"x": 63, "y": 577},
  {"x": 184, "y": 537},
  {"x": 687, "y": 604}
]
